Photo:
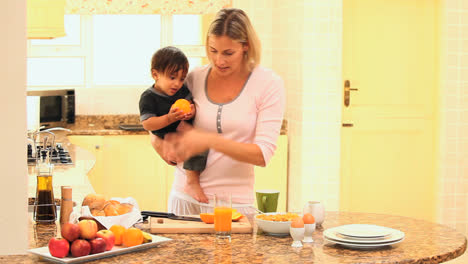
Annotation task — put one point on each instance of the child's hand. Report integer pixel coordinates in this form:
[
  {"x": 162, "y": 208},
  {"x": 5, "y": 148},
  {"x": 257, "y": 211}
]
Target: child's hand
[
  {"x": 175, "y": 114},
  {"x": 191, "y": 114}
]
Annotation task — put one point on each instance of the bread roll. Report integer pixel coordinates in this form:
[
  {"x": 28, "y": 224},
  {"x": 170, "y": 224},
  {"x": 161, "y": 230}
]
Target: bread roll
[
  {"x": 124, "y": 208},
  {"x": 94, "y": 201},
  {"x": 110, "y": 210},
  {"x": 96, "y": 212},
  {"x": 88, "y": 199},
  {"x": 114, "y": 202},
  {"x": 99, "y": 206}
]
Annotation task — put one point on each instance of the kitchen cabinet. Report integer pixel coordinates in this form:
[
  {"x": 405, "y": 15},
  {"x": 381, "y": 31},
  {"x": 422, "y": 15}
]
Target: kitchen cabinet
[
  {"x": 127, "y": 166},
  {"x": 273, "y": 176},
  {"x": 45, "y": 19},
  {"x": 92, "y": 144}
]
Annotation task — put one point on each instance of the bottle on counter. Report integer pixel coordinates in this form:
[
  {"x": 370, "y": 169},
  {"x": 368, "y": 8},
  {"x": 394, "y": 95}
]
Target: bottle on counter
[{"x": 45, "y": 210}]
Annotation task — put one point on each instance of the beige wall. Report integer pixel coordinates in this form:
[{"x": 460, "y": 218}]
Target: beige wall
[
  {"x": 13, "y": 216},
  {"x": 302, "y": 42},
  {"x": 453, "y": 172}
]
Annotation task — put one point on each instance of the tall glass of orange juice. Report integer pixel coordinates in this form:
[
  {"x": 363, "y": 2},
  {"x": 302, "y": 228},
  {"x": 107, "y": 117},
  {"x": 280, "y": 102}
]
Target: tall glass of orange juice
[{"x": 223, "y": 216}]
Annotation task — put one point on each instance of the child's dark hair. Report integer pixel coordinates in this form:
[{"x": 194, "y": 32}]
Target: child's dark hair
[{"x": 169, "y": 60}]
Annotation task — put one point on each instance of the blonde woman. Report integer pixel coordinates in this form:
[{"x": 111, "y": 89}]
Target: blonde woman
[{"x": 240, "y": 108}]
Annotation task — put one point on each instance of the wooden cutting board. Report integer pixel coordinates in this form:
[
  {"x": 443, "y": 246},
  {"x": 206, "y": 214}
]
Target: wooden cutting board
[{"x": 170, "y": 226}]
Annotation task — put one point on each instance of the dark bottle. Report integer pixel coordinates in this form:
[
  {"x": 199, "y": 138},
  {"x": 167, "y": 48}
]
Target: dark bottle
[{"x": 45, "y": 210}]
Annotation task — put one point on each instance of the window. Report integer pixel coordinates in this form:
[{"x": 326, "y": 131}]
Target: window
[
  {"x": 55, "y": 71},
  {"x": 111, "y": 50},
  {"x": 182, "y": 36},
  {"x": 122, "y": 48}
]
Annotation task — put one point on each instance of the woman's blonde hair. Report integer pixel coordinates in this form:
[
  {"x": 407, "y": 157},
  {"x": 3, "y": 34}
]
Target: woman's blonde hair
[{"x": 235, "y": 24}]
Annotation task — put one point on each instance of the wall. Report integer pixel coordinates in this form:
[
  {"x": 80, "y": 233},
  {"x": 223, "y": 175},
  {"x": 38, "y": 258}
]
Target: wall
[
  {"x": 321, "y": 101},
  {"x": 13, "y": 217},
  {"x": 108, "y": 101},
  {"x": 302, "y": 42},
  {"x": 453, "y": 171}
]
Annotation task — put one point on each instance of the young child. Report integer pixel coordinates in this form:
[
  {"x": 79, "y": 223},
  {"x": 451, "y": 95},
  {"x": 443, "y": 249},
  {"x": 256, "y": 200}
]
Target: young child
[{"x": 169, "y": 67}]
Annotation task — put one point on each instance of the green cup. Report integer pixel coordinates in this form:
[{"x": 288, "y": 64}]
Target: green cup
[{"x": 267, "y": 200}]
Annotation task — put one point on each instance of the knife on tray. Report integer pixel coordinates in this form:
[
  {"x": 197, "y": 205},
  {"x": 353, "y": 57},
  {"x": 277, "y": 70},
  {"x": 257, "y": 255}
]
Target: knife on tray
[{"x": 169, "y": 215}]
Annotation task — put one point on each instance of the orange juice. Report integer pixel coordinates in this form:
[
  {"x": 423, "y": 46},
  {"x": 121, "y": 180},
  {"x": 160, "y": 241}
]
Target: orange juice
[{"x": 222, "y": 219}]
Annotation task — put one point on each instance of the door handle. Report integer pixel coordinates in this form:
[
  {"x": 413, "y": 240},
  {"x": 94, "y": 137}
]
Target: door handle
[
  {"x": 347, "y": 124},
  {"x": 347, "y": 92}
]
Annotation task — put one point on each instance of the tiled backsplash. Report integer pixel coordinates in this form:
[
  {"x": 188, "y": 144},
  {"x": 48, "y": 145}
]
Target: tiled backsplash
[
  {"x": 108, "y": 101},
  {"x": 298, "y": 38},
  {"x": 453, "y": 173}
]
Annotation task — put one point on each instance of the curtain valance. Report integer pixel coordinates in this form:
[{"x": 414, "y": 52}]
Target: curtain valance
[{"x": 94, "y": 7}]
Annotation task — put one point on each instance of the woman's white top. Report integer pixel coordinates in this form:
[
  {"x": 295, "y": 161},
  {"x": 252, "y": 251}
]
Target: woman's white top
[{"x": 254, "y": 116}]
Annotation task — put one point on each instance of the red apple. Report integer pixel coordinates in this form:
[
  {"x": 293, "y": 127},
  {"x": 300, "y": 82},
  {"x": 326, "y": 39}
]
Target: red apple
[
  {"x": 98, "y": 245},
  {"x": 80, "y": 247},
  {"x": 70, "y": 231},
  {"x": 108, "y": 236},
  {"x": 58, "y": 247},
  {"x": 88, "y": 229}
]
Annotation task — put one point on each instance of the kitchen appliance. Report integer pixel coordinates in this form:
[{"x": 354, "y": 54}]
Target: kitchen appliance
[
  {"x": 59, "y": 155},
  {"x": 42, "y": 144},
  {"x": 56, "y": 107}
]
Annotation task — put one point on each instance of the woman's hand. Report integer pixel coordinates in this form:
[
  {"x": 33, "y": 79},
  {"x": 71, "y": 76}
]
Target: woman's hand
[
  {"x": 193, "y": 141},
  {"x": 164, "y": 149},
  {"x": 188, "y": 143}
]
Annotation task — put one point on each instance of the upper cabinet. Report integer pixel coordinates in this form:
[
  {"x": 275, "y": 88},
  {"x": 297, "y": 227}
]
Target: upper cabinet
[{"x": 45, "y": 19}]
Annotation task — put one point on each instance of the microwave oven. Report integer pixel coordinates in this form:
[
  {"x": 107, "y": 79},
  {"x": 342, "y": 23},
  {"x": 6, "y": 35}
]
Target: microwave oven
[{"x": 56, "y": 107}]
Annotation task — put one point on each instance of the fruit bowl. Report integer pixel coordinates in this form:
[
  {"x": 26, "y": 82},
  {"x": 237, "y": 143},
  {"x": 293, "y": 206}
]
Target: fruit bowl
[
  {"x": 126, "y": 220},
  {"x": 275, "y": 227}
]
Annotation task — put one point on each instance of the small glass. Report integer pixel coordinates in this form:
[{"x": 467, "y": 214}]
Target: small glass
[{"x": 223, "y": 216}]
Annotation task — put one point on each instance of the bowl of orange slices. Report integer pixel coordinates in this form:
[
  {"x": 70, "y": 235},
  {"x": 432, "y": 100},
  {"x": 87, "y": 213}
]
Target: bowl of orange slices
[{"x": 275, "y": 223}]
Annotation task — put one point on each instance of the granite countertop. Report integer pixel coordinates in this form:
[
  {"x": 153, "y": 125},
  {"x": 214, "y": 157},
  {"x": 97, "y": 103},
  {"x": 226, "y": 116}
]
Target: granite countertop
[
  {"x": 425, "y": 242},
  {"x": 109, "y": 125},
  {"x": 104, "y": 125}
]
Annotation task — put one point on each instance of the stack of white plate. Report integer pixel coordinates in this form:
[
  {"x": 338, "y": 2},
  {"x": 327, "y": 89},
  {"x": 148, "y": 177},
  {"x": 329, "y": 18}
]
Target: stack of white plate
[{"x": 363, "y": 236}]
